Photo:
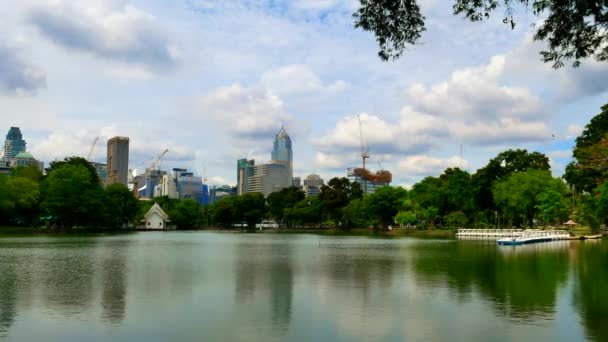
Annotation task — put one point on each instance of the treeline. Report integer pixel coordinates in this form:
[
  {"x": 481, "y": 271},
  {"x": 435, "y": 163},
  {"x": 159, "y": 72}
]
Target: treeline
[
  {"x": 70, "y": 195},
  {"x": 515, "y": 188}
]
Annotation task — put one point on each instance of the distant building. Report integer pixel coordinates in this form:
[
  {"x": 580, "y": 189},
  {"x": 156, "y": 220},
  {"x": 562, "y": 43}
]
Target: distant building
[
  {"x": 148, "y": 181},
  {"x": 296, "y": 181},
  {"x": 312, "y": 185},
  {"x": 102, "y": 172},
  {"x": 217, "y": 193},
  {"x": 369, "y": 181},
  {"x": 168, "y": 187},
  {"x": 243, "y": 172},
  {"x": 189, "y": 185},
  {"x": 13, "y": 145},
  {"x": 281, "y": 151},
  {"x": 268, "y": 178},
  {"x": 26, "y": 159},
  {"x": 118, "y": 160}
]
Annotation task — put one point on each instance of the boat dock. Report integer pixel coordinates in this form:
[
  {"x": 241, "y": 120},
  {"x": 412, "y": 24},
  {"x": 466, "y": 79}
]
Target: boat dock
[{"x": 514, "y": 236}]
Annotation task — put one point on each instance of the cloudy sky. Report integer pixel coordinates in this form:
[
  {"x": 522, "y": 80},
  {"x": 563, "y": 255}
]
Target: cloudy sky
[{"x": 213, "y": 80}]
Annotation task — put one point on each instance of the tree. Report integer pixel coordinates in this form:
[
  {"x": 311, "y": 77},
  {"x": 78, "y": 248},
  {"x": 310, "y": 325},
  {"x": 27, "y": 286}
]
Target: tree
[
  {"x": 223, "y": 213},
  {"x": 552, "y": 206},
  {"x": 30, "y": 172},
  {"x": 307, "y": 211},
  {"x": 518, "y": 195},
  {"x": 456, "y": 218},
  {"x": 336, "y": 194},
  {"x": 406, "y": 218},
  {"x": 455, "y": 192},
  {"x": 426, "y": 192},
  {"x": 500, "y": 167},
  {"x": 122, "y": 205},
  {"x": 251, "y": 208},
  {"x": 573, "y": 29},
  {"x": 384, "y": 204},
  {"x": 186, "y": 214},
  {"x": 356, "y": 214},
  {"x": 19, "y": 200},
  {"x": 280, "y": 203},
  {"x": 75, "y": 161},
  {"x": 590, "y": 166},
  {"x": 73, "y": 198}
]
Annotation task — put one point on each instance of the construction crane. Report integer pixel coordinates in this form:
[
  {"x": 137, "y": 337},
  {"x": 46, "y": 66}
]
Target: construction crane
[
  {"x": 364, "y": 154},
  {"x": 152, "y": 167},
  {"x": 364, "y": 149},
  {"x": 92, "y": 148}
]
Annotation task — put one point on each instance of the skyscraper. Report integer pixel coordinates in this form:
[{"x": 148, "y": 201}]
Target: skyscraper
[
  {"x": 13, "y": 145},
  {"x": 244, "y": 170},
  {"x": 118, "y": 160},
  {"x": 281, "y": 151}
]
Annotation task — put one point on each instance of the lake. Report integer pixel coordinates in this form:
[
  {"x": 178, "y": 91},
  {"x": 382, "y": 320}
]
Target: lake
[{"x": 205, "y": 286}]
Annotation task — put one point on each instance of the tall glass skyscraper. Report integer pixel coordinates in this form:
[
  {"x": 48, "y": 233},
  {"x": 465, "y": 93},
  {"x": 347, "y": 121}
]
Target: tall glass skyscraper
[
  {"x": 281, "y": 151},
  {"x": 14, "y": 144}
]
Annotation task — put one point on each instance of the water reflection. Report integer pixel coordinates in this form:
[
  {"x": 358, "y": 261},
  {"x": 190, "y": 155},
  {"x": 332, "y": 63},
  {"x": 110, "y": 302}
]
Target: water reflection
[
  {"x": 521, "y": 282},
  {"x": 264, "y": 279},
  {"x": 8, "y": 295},
  {"x": 114, "y": 285},
  {"x": 591, "y": 290}
]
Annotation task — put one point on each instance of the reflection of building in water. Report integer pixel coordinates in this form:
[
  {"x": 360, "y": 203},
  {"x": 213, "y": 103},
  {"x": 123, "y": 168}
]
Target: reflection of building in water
[
  {"x": 8, "y": 296},
  {"x": 264, "y": 282},
  {"x": 114, "y": 287}
]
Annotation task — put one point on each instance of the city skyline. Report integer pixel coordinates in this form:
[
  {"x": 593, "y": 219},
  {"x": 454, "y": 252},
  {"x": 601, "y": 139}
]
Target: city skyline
[{"x": 213, "y": 91}]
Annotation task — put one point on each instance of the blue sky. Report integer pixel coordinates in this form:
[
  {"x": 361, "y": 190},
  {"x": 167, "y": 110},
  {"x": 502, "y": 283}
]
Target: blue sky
[{"x": 214, "y": 80}]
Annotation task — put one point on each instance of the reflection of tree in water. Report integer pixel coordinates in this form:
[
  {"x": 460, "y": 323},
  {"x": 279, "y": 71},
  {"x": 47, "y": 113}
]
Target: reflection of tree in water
[
  {"x": 591, "y": 288},
  {"x": 113, "y": 268},
  {"x": 281, "y": 287},
  {"x": 8, "y": 294},
  {"x": 67, "y": 279},
  {"x": 522, "y": 284}
]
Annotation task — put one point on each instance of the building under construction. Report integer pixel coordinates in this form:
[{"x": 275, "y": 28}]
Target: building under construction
[{"x": 369, "y": 180}]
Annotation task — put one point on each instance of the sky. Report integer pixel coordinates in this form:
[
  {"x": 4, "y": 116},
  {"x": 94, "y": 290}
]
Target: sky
[{"x": 214, "y": 80}]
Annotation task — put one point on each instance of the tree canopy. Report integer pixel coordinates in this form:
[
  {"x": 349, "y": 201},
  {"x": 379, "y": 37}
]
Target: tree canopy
[{"x": 573, "y": 30}]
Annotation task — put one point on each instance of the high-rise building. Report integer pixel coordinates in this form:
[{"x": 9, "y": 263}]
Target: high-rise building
[
  {"x": 268, "y": 178},
  {"x": 244, "y": 170},
  {"x": 189, "y": 185},
  {"x": 13, "y": 145},
  {"x": 118, "y": 160},
  {"x": 168, "y": 186},
  {"x": 281, "y": 151},
  {"x": 312, "y": 185},
  {"x": 296, "y": 181},
  {"x": 219, "y": 192}
]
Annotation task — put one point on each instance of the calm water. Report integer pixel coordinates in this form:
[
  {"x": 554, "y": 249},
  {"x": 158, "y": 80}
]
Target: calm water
[{"x": 195, "y": 286}]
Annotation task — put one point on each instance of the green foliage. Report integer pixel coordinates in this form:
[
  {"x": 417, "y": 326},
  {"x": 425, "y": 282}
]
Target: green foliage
[
  {"x": 187, "y": 213},
  {"x": 518, "y": 195},
  {"x": 590, "y": 166},
  {"x": 307, "y": 211},
  {"x": 356, "y": 214},
  {"x": 73, "y": 197},
  {"x": 573, "y": 29},
  {"x": 30, "y": 172},
  {"x": 251, "y": 208},
  {"x": 500, "y": 167},
  {"x": 406, "y": 218},
  {"x": 280, "y": 203},
  {"x": 552, "y": 205},
  {"x": 456, "y": 219},
  {"x": 336, "y": 194},
  {"x": 19, "y": 200},
  {"x": 384, "y": 204},
  {"x": 396, "y": 24},
  {"x": 76, "y": 161},
  {"x": 122, "y": 206}
]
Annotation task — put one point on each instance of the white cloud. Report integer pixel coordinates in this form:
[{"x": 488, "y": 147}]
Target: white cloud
[
  {"x": 295, "y": 78},
  {"x": 423, "y": 165},
  {"x": 574, "y": 131},
  {"x": 246, "y": 113},
  {"x": 120, "y": 32}
]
